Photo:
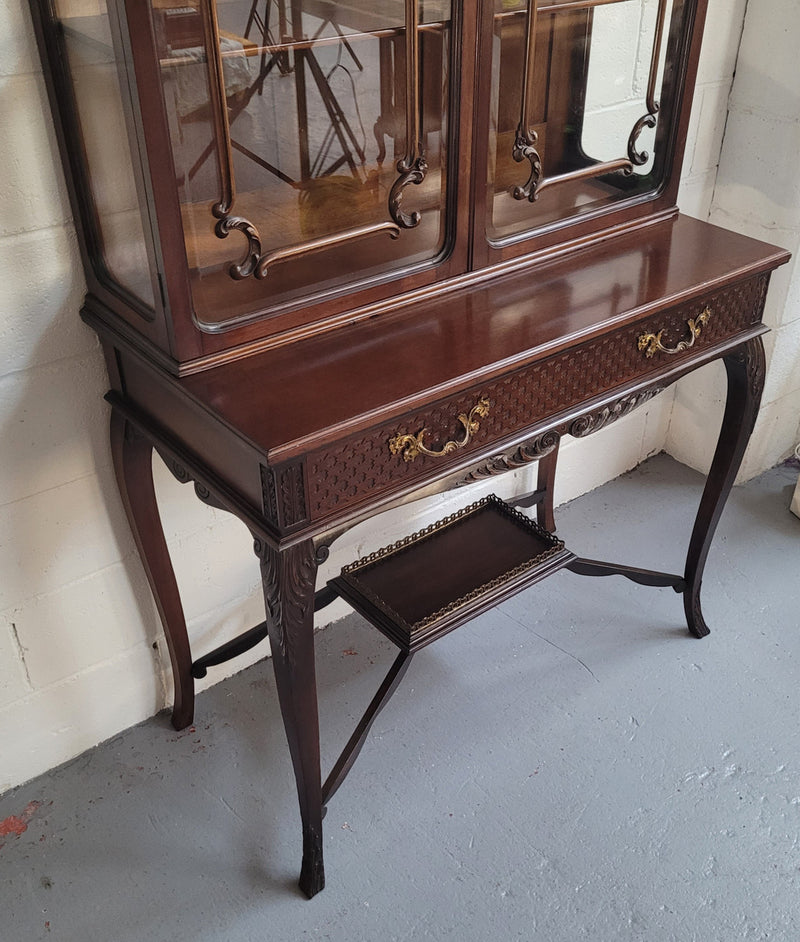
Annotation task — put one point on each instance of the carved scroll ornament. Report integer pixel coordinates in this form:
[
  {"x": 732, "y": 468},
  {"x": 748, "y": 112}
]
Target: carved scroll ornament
[
  {"x": 413, "y": 167},
  {"x": 523, "y": 454},
  {"x": 649, "y": 119}
]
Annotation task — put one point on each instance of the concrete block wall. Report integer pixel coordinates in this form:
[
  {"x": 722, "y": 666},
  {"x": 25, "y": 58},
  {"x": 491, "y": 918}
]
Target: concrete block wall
[
  {"x": 709, "y": 111},
  {"x": 622, "y": 42},
  {"x": 81, "y": 651},
  {"x": 757, "y": 192}
]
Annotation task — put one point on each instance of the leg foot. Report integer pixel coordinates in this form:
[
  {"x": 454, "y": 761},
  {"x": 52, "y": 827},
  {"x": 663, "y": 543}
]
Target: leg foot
[
  {"x": 312, "y": 873},
  {"x": 694, "y": 613},
  {"x": 288, "y": 578}
]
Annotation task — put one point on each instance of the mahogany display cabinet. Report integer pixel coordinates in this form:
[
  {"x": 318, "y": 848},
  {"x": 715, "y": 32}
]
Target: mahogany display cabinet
[{"x": 342, "y": 254}]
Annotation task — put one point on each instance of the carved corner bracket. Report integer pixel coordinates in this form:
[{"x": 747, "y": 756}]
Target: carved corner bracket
[
  {"x": 283, "y": 492},
  {"x": 183, "y": 476},
  {"x": 410, "y": 172},
  {"x": 640, "y": 157},
  {"x": 252, "y": 256}
]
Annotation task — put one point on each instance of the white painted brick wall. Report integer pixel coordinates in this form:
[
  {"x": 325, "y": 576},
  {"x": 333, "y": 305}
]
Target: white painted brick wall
[
  {"x": 39, "y": 303},
  {"x": 757, "y": 192},
  {"x": 77, "y": 624},
  {"x": 32, "y": 190}
]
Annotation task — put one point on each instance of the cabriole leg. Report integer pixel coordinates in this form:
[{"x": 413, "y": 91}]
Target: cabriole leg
[
  {"x": 288, "y": 578},
  {"x": 746, "y": 369},
  {"x": 132, "y": 455}
]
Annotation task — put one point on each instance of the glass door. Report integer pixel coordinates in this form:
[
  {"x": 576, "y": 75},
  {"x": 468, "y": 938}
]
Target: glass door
[
  {"x": 583, "y": 110},
  {"x": 311, "y": 145}
]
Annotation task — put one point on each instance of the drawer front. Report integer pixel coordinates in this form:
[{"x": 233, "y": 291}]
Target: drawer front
[{"x": 364, "y": 464}]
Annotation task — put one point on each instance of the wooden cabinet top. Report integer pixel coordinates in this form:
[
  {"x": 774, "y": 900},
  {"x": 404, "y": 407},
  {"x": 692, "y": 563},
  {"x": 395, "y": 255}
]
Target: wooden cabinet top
[
  {"x": 255, "y": 171},
  {"x": 294, "y": 397}
]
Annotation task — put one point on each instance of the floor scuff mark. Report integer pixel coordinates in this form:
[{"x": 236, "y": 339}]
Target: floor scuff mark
[{"x": 17, "y": 824}]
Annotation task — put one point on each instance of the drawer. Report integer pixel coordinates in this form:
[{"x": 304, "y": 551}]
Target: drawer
[{"x": 364, "y": 465}]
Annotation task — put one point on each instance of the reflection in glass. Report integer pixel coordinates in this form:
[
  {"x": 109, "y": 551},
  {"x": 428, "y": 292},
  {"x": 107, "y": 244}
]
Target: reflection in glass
[
  {"x": 582, "y": 132},
  {"x": 290, "y": 130},
  {"x": 93, "y": 67}
]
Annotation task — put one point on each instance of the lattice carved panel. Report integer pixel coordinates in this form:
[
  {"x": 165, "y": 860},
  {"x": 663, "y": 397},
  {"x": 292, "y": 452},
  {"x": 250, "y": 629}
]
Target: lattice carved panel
[{"x": 363, "y": 464}]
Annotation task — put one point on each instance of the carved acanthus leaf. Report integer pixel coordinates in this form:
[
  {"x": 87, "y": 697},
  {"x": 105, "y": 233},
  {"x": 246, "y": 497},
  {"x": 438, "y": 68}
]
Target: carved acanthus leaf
[
  {"x": 521, "y": 455},
  {"x": 288, "y": 578},
  {"x": 594, "y": 421}
]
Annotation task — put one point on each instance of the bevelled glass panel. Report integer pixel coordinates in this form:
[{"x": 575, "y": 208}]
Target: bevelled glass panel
[
  {"x": 584, "y": 93},
  {"x": 288, "y": 121},
  {"x": 108, "y": 139}
]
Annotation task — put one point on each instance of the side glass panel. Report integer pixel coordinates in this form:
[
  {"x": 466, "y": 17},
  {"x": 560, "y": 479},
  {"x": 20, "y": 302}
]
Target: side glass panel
[
  {"x": 119, "y": 231},
  {"x": 583, "y": 99},
  {"x": 310, "y": 144}
]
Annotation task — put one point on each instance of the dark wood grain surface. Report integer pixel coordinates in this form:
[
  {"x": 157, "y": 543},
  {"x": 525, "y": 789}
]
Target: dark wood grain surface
[
  {"x": 345, "y": 378},
  {"x": 287, "y": 420}
]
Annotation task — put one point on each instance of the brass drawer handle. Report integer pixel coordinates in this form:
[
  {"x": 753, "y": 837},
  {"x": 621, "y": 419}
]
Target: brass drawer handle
[
  {"x": 411, "y": 445},
  {"x": 651, "y": 343}
]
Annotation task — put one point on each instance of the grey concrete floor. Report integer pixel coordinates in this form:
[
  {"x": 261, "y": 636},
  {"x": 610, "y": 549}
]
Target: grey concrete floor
[{"x": 569, "y": 766}]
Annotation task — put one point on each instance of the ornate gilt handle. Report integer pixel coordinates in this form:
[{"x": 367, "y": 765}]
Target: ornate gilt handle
[
  {"x": 412, "y": 445},
  {"x": 651, "y": 343}
]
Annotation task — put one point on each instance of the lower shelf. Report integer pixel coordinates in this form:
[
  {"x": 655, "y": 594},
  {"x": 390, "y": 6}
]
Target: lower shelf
[
  {"x": 417, "y": 590},
  {"x": 433, "y": 581}
]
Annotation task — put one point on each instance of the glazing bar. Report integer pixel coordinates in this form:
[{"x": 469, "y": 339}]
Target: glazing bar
[
  {"x": 586, "y": 173},
  {"x": 219, "y": 108},
  {"x": 526, "y": 138},
  {"x": 652, "y": 104},
  {"x": 324, "y": 242},
  {"x": 413, "y": 167}
]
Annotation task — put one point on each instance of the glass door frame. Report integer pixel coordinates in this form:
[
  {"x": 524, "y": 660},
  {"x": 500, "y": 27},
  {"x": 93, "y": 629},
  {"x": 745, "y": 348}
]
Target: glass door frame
[{"x": 582, "y": 228}]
